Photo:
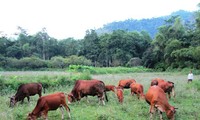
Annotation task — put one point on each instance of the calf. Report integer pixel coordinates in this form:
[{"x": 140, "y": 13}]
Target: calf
[
  {"x": 83, "y": 88},
  {"x": 126, "y": 83},
  {"x": 156, "y": 98},
  {"x": 47, "y": 103},
  {"x": 167, "y": 86},
  {"x": 137, "y": 89},
  {"x": 26, "y": 90},
  {"x": 120, "y": 94}
]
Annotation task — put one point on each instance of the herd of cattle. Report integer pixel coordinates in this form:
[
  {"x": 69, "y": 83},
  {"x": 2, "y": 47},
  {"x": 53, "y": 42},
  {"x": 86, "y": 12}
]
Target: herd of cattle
[{"x": 155, "y": 96}]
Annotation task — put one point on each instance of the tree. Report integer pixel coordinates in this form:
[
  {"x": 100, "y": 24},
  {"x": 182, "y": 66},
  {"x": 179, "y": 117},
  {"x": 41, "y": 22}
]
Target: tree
[
  {"x": 68, "y": 47},
  {"x": 90, "y": 46}
]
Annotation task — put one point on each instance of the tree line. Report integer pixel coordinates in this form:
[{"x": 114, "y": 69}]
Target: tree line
[{"x": 176, "y": 45}]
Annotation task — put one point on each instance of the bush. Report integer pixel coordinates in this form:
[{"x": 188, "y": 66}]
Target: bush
[
  {"x": 32, "y": 63},
  {"x": 80, "y": 76},
  {"x": 2, "y": 84},
  {"x": 77, "y": 60},
  {"x": 107, "y": 70},
  {"x": 57, "y": 62},
  {"x": 136, "y": 61}
]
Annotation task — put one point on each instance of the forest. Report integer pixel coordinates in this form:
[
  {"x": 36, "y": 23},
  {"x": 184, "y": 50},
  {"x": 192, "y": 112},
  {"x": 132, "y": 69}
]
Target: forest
[{"x": 175, "y": 45}]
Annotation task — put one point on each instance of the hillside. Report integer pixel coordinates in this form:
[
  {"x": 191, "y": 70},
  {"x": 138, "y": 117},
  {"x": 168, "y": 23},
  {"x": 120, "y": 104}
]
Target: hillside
[{"x": 149, "y": 25}]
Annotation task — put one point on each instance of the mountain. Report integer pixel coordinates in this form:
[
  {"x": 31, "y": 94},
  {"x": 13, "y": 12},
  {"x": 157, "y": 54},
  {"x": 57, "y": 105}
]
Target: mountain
[{"x": 149, "y": 25}]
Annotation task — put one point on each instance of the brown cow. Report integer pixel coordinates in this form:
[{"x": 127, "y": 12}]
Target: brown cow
[
  {"x": 26, "y": 90},
  {"x": 156, "y": 98},
  {"x": 120, "y": 94},
  {"x": 110, "y": 88},
  {"x": 47, "y": 103},
  {"x": 167, "y": 86},
  {"x": 126, "y": 83},
  {"x": 83, "y": 88},
  {"x": 137, "y": 89}
]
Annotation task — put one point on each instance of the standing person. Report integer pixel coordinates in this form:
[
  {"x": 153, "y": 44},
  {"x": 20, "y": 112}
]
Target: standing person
[{"x": 190, "y": 76}]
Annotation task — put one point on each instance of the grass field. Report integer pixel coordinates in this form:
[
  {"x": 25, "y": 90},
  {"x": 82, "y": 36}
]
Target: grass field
[{"x": 187, "y": 99}]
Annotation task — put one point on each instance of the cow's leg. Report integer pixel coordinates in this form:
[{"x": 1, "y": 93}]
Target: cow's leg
[
  {"x": 28, "y": 98},
  {"x": 151, "y": 111},
  {"x": 138, "y": 95},
  {"x": 22, "y": 101},
  {"x": 102, "y": 98},
  {"x": 169, "y": 95},
  {"x": 87, "y": 99},
  {"x": 67, "y": 109},
  {"x": 40, "y": 93},
  {"x": 79, "y": 96},
  {"x": 45, "y": 113},
  {"x": 132, "y": 93},
  {"x": 62, "y": 111},
  {"x": 160, "y": 113},
  {"x": 173, "y": 92}
]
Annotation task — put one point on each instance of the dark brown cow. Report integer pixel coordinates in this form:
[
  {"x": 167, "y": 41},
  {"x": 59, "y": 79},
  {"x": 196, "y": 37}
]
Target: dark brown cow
[
  {"x": 137, "y": 89},
  {"x": 156, "y": 98},
  {"x": 126, "y": 83},
  {"x": 110, "y": 88},
  {"x": 120, "y": 94},
  {"x": 167, "y": 86},
  {"x": 47, "y": 103},
  {"x": 26, "y": 90},
  {"x": 83, "y": 88}
]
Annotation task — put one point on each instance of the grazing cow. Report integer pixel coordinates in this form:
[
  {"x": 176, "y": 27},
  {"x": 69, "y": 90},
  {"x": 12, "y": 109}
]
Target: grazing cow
[
  {"x": 137, "y": 89},
  {"x": 26, "y": 90},
  {"x": 83, "y": 88},
  {"x": 126, "y": 83},
  {"x": 167, "y": 86},
  {"x": 120, "y": 94},
  {"x": 47, "y": 103},
  {"x": 156, "y": 98},
  {"x": 110, "y": 88}
]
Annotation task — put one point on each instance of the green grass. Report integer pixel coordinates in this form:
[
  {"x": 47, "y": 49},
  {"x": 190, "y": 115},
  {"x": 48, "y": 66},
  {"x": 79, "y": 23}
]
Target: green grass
[{"x": 187, "y": 100}]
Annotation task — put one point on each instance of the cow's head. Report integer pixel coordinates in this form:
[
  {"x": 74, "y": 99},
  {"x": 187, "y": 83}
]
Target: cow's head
[
  {"x": 154, "y": 82},
  {"x": 170, "y": 113},
  {"x": 71, "y": 98},
  {"x": 31, "y": 116},
  {"x": 12, "y": 101}
]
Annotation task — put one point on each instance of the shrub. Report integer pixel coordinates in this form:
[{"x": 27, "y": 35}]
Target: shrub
[
  {"x": 57, "y": 62},
  {"x": 77, "y": 60},
  {"x": 82, "y": 76},
  {"x": 2, "y": 84},
  {"x": 32, "y": 63},
  {"x": 136, "y": 61},
  {"x": 107, "y": 70}
]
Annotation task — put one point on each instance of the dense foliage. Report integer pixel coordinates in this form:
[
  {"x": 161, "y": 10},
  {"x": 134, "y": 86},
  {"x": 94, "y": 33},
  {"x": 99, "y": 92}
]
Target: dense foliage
[{"x": 176, "y": 45}]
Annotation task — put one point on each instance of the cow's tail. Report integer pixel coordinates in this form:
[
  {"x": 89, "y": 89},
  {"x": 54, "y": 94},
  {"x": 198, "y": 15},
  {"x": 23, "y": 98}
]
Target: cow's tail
[
  {"x": 43, "y": 89},
  {"x": 106, "y": 95}
]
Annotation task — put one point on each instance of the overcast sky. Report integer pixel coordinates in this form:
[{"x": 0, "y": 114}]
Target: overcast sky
[{"x": 71, "y": 18}]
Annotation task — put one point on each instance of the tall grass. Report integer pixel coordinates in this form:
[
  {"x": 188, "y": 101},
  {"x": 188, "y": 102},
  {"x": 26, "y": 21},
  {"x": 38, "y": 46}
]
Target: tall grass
[
  {"x": 107, "y": 70},
  {"x": 187, "y": 99}
]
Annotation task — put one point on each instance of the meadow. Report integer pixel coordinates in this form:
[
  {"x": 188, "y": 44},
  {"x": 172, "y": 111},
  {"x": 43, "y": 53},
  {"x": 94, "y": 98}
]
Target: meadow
[{"x": 187, "y": 98}]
